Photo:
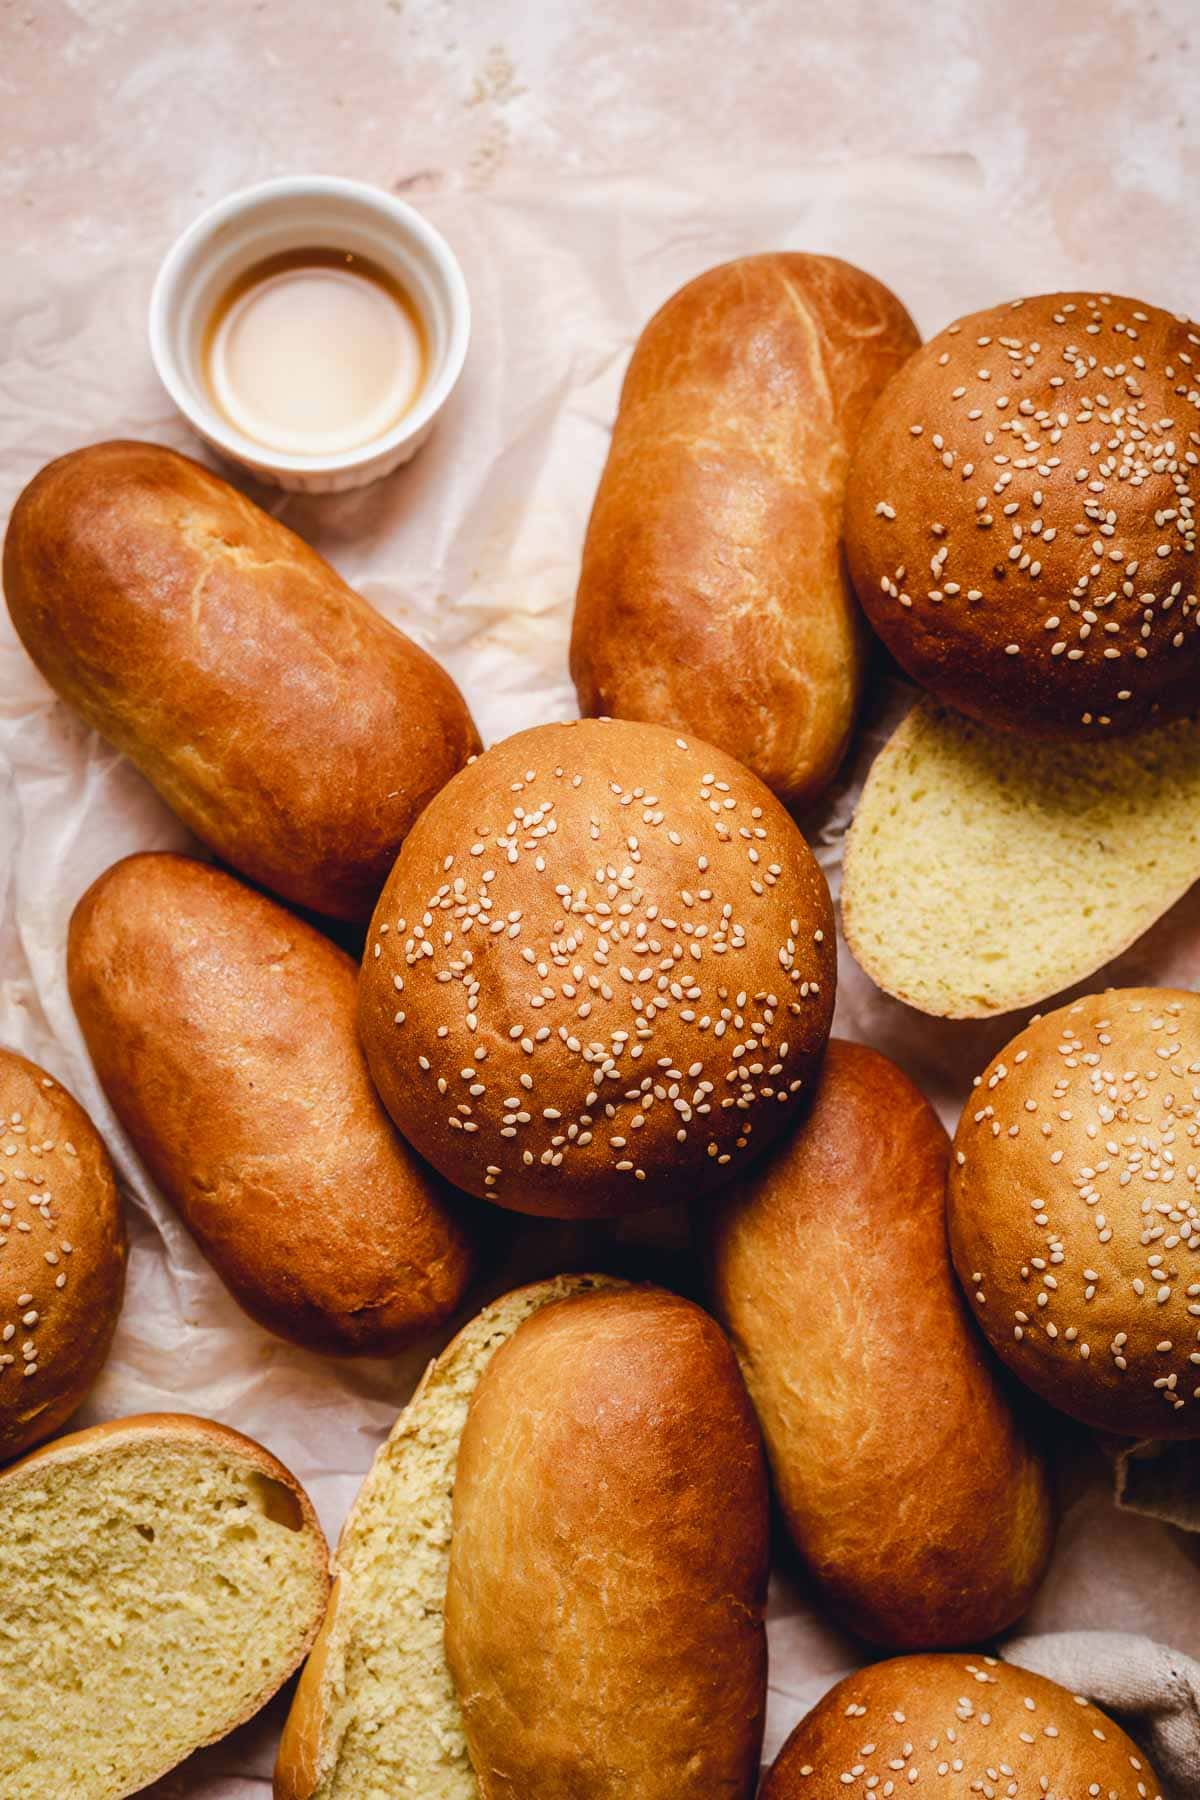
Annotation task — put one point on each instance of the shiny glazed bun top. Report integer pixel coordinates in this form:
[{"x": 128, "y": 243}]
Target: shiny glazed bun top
[
  {"x": 62, "y": 1254},
  {"x": 959, "y": 1728},
  {"x": 1020, "y": 515},
  {"x": 601, "y": 971},
  {"x": 1074, "y": 1209}
]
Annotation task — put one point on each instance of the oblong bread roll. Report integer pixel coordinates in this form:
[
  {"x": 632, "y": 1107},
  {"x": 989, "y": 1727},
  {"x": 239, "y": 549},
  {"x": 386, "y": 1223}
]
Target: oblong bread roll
[
  {"x": 608, "y": 1561},
  {"x": 713, "y": 595},
  {"x": 285, "y": 721},
  {"x": 222, "y": 1031},
  {"x": 375, "y": 1709},
  {"x": 912, "y": 1489}
]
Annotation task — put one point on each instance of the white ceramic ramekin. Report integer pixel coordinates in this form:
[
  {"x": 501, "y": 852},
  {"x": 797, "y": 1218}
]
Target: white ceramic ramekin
[{"x": 294, "y": 213}]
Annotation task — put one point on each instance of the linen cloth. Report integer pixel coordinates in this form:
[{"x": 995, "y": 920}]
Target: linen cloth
[
  {"x": 1150, "y": 1690},
  {"x": 1160, "y": 1481}
]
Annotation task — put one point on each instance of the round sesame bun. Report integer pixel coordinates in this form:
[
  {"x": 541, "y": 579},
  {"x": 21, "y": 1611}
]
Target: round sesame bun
[
  {"x": 601, "y": 972},
  {"x": 958, "y": 1727},
  {"x": 62, "y": 1254},
  {"x": 1019, "y": 519},
  {"x": 1074, "y": 1218}
]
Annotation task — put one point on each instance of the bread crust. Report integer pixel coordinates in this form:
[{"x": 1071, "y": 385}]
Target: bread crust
[
  {"x": 1019, "y": 520},
  {"x": 713, "y": 595},
  {"x": 915, "y": 1495},
  {"x": 222, "y": 1031},
  {"x": 604, "y": 1610},
  {"x": 601, "y": 972},
  {"x": 188, "y": 1428},
  {"x": 62, "y": 1254},
  {"x": 305, "y": 1739},
  {"x": 77, "y": 1445},
  {"x": 286, "y": 722},
  {"x": 957, "y": 1726},
  {"x": 1074, "y": 1209},
  {"x": 317, "y": 1721}
]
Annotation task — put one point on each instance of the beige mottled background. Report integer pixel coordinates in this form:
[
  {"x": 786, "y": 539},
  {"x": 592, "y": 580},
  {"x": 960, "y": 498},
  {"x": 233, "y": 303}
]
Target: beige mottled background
[{"x": 584, "y": 158}]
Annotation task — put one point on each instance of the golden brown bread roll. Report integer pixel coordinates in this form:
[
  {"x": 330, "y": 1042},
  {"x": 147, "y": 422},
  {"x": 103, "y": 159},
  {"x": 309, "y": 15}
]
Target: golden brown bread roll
[
  {"x": 604, "y": 1610},
  {"x": 1020, "y": 515},
  {"x": 375, "y": 1711},
  {"x": 285, "y": 721},
  {"x": 1075, "y": 1209},
  {"x": 915, "y": 1496},
  {"x": 222, "y": 1031},
  {"x": 961, "y": 1727},
  {"x": 713, "y": 596},
  {"x": 601, "y": 971},
  {"x": 62, "y": 1254}
]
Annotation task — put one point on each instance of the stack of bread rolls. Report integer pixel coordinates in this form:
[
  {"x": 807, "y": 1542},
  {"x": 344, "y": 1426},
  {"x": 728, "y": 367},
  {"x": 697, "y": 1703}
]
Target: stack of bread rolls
[
  {"x": 1020, "y": 528},
  {"x": 598, "y": 978}
]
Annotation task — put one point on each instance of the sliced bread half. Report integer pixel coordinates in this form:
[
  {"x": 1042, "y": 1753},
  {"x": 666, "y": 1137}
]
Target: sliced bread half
[
  {"x": 376, "y": 1715},
  {"x": 160, "y": 1578},
  {"x": 984, "y": 872}
]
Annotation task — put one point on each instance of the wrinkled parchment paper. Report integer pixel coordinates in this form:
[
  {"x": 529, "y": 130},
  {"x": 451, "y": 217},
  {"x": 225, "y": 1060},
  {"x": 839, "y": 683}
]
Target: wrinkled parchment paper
[{"x": 583, "y": 165}]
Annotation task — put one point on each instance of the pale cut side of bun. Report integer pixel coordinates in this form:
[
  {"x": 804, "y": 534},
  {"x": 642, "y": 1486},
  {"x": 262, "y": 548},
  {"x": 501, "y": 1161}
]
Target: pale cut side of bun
[
  {"x": 963, "y": 1727},
  {"x": 163, "y": 1576},
  {"x": 62, "y": 1254},
  {"x": 1074, "y": 1209},
  {"x": 985, "y": 872},
  {"x": 376, "y": 1711}
]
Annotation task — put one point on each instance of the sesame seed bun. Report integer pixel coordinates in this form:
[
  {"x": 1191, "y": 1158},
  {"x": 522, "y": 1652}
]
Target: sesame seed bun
[
  {"x": 958, "y": 1727},
  {"x": 62, "y": 1254},
  {"x": 601, "y": 972},
  {"x": 1074, "y": 1218},
  {"x": 1019, "y": 518}
]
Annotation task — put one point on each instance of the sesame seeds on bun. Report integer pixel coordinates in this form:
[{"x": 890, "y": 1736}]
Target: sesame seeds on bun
[
  {"x": 601, "y": 972},
  {"x": 1075, "y": 1209},
  {"x": 959, "y": 1727},
  {"x": 1020, "y": 515},
  {"x": 62, "y": 1254}
]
